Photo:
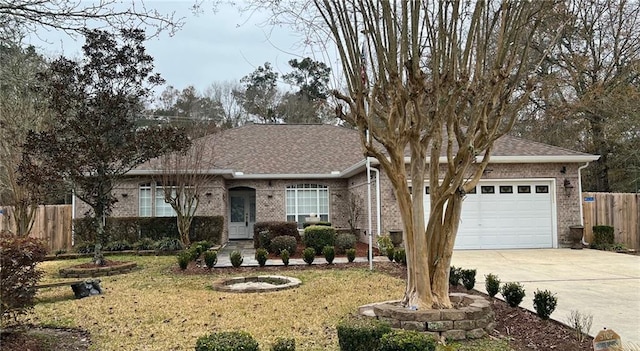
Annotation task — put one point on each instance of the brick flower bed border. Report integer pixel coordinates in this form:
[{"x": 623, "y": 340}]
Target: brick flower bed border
[
  {"x": 77, "y": 272},
  {"x": 472, "y": 318}
]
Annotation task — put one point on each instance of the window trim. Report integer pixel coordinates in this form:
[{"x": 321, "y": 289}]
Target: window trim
[{"x": 153, "y": 188}]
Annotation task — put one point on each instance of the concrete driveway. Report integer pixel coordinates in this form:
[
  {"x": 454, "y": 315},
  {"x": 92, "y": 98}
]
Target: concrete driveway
[{"x": 603, "y": 284}]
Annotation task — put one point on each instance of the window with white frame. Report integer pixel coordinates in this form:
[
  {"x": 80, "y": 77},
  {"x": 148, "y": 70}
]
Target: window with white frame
[
  {"x": 152, "y": 202},
  {"x": 306, "y": 199}
]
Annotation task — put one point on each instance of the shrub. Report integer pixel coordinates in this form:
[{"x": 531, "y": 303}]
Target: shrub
[
  {"x": 603, "y": 236},
  {"x": 492, "y": 284},
  {"x": 261, "y": 256},
  {"x": 321, "y": 223},
  {"x": 544, "y": 302},
  {"x": 199, "y": 247},
  {"x": 391, "y": 253},
  {"x": 236, "y": 258},
  {"x": 454, "y": 276},
  {"x": 345, "y": 241},
  {"x": 167, "y": 244},
  {"x": 184, "y": 258},
  {"x": 317, "y": 237},
  {"x": 227, "y": 341},
  {"x": 329, "y": 253},
  {"x": 284, "y": 344},
  {"x": 308, "y": 255},
  {"x": 283, "y": 242},
  {"x": 264, "y": 240},
  {"x": 119, "y": 245},
  {"x": 361, "y": 333},
  {"x": 384, "y": 242},
  {"x": 405, "y": 340},
  {"x": 19, "y": 275},
  {"x": 400, "y": 256},
  {"x": 275, "y": 229},
  {"x": 351, "y": 255},
  {"x": 284, "y": 255},
  {"x": 144, "y": 244},
  {"x": 581, "y": 323},
  {"x": 513, "y": 293},
  {"x": 210, "y": 258},
  {"x": 468, "y": 277},
  {"x": 84, "y": 247}
]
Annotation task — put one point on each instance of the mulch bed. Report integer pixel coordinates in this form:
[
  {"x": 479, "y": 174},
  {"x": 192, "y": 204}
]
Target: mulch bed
[{"x": 33, "y": 338}]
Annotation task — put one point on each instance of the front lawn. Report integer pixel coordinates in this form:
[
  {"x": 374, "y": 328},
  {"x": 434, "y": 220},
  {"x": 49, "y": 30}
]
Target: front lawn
[{"x": 158, "y": 308}]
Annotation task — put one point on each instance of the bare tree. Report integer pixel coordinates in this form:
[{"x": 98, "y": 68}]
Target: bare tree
[
  {"x": 233, "y": 114},
  {"x": 354, "y": 211},
  {"x": 437, "y": 81},
  {"x": 590, "y": 95},
  {"x": 184, "y": 177},
  {"x": 18, "y": 17},
  {"x": 22, "y": 109}
]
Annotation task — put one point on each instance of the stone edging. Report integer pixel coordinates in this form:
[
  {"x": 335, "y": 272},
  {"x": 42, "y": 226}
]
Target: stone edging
[
  {"x": 472, "y": 319},
  {"x": 271, "y": 283},
  {"x": 75, "y": 272}
]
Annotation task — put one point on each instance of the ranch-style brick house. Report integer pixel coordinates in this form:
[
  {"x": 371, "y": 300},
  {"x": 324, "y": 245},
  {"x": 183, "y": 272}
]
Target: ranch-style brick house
[{"x": 528, "y": 197}]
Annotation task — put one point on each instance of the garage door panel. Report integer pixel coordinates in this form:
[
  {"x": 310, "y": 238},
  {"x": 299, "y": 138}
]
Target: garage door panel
[{"x": 506, "y": 220}]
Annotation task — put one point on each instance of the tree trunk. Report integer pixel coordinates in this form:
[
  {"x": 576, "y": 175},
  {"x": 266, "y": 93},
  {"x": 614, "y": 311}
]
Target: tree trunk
[
  {"x": 184, "y": 224},
  {"x": 600, "y": 147}
]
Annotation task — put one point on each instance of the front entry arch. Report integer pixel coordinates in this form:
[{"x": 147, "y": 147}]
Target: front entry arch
[{"x": 242, "y": 212}]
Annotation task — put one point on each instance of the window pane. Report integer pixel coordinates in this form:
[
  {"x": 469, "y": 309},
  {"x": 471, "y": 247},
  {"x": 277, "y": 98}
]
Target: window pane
[
  {"x": 163, "y": 209},
  {"x": 144, "y": 209}
]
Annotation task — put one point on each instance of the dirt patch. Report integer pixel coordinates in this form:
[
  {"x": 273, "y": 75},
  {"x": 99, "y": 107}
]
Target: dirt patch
[{"x": 30, "y": 338}]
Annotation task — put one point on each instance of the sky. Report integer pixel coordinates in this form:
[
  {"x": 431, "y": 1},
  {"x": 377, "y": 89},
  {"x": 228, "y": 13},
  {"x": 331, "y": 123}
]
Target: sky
[{"x": 212, "y": 46}]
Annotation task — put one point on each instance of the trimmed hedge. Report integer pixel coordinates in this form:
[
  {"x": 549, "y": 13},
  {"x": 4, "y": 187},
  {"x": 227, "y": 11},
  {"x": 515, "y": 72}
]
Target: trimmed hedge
[
  {"x": 357, "y": 333},
  {"x": 318, "y": 236},
  {"x": 407, "y": 340},
  {"x": 322, "y": 223},
  {"x": 603, "y": 236},
  {"x": 132, "y": 229},
  {"x": 227, "y": 341},
  {"x": 273, "y": 229}
]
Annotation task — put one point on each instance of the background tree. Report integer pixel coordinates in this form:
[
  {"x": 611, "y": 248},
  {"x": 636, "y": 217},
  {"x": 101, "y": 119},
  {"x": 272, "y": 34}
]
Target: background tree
[
  {"x": 259, "y": 95},
  {"x": 233, "y": 114},
  {"x": 188, "y": 107},
  {"x": 590, "y": 95},
  {"x": 22, "y": 108},
  {"x": 19, "y": 17},
  {"x": 94, "y": 140},
  {"x": 445, "y": 80},
  {"x": 309, "y": 103}
]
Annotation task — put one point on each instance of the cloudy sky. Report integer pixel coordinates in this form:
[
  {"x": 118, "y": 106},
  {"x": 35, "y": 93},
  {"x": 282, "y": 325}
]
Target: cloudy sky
[{"x": 211, "y": 46}]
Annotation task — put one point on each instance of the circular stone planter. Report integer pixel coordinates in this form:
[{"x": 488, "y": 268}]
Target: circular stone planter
[
  {"x": 81, "y": 272},
  {"x": 261, "y": 283},
  {"x": 471, "y": 317}
]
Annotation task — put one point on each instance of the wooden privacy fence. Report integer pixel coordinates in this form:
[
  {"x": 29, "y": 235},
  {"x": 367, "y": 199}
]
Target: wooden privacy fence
[
  {"x": 621, "y": 211},
  {"x": 52, "y": 224}
]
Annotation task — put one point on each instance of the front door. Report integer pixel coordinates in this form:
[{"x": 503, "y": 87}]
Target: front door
[{"x": 242, "y": 213}]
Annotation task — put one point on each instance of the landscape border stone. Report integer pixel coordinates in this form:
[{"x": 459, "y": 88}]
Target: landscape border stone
[
  {"x": 471, "y": 317},
  {"x": 270, "y": 283},
  {"x": 78, "y": 272}
]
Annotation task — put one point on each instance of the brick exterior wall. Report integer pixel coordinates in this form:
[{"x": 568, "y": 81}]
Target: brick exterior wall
[{"x": 270, "y": 197}]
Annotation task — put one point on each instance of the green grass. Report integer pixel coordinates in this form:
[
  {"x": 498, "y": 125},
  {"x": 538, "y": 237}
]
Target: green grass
[{"x": 153, "y": 308}]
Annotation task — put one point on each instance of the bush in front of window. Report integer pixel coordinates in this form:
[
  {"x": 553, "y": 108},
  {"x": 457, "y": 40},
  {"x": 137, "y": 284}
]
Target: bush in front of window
[
  {"x": 284, "y": 242},
  {"x": 323, "y": 223},
  {"x": 132, "y": 229},
  {"x": 318, "y": 236},
  {"x": 275, "y": 229},
  {"x": 119, "y": 245}
]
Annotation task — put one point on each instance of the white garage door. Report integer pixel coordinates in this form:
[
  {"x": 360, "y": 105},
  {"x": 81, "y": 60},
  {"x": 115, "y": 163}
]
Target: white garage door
[{"x": 507, "y": 215}]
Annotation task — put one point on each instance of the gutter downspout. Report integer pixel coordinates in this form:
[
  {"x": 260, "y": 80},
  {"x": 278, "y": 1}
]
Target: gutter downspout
[
  {"x": 580, "y": 197},
  {"x": 377, "y": 201},
  {"x": 370, "y": 256}
]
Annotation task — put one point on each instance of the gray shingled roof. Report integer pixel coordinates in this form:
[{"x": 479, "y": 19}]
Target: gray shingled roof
[{"x": 306, "y": 149}]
